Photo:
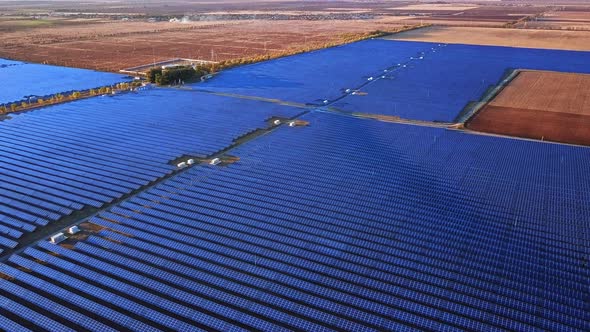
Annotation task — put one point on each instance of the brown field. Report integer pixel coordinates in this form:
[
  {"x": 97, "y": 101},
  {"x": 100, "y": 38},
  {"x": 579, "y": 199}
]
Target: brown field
[
  {"x": 561, "y": 20},
  {"x": 116, "y": 34},
  {"x": 491, "y": 15},
  {"x": 116, "y": 45},
  {"x": 540, "y": 105},
  {"x": 436, "y": 7},
  {"x": 549, "y": 39}
]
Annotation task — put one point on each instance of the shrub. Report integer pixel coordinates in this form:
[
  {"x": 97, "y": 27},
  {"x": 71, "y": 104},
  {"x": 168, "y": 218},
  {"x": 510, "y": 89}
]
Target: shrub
[{"x": 153, "y": 73}]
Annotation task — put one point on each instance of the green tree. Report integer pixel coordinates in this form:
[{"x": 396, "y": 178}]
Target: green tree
[
  {"x": 152, "y": 74},
  {"x": 173, "y": 75}
]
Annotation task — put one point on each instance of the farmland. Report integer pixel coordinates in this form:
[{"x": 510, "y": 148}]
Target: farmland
[
  {"x": 117, "y": 45},
  {"x": 549, "y": 39},
  {"x": 563, "y": 18},
  {"x": 540, "y": 105},
  {"x": 472, "y": 16}
]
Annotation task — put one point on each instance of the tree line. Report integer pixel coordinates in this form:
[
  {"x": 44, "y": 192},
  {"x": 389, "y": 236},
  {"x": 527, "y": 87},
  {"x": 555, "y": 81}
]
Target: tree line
[
  {"x": 60, "y": 97},
  {"x": 175, "y": 75}
]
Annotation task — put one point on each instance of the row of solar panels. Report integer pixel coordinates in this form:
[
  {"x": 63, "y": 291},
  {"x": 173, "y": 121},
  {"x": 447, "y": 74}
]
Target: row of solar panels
[
  {"x": 63, "y": 158},
  {"x": 347, "y": 224}
]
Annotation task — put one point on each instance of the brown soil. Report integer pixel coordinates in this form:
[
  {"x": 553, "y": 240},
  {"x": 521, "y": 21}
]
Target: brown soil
[
  {"x": 116, "y": 45},
  {"x": 547, "y": 91},
  {"x": 540, "y": 105},
  {"x": 465, "y": 15},
  {"x": 548, "y": 39},
  {"x": 561, "y": 20}
]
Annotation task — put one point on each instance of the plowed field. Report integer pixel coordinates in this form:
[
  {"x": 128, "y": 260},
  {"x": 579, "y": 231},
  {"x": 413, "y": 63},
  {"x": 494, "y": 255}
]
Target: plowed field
[{"x": 540, "y": 105}]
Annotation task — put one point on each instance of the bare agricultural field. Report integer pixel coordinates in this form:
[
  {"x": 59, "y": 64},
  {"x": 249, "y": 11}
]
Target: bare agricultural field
[
  {"x": 175, "y": 7},
  {"x": 548, "y": 39},
  {"x": 561, "y": 20},
  {"x": 436, "y": 7},
  {"x": 547, "y": 91},
  {"x": 482, "y": 15},
  {"x": 116, "y": 45},
  {"x": 540, "y": 105},
  {"x": 450, "y": 22},
  {"x": 10, "y": 24}
]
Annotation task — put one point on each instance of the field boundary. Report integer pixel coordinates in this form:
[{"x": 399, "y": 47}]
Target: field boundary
[
  {"x": 519, "y": 138},
  {"x": 468, "y": 113},
  {"x": 26, "y": 105}
]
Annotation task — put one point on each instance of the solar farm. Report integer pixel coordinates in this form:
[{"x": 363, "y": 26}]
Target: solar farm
[{"x": 335, "y": 190}]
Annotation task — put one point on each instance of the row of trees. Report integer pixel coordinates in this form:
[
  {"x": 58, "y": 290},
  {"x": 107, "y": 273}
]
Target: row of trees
[
  {"x": 342, "y": 39},
  {"x": 58, "y": 98},
  {"x": 173, "y": 75}
]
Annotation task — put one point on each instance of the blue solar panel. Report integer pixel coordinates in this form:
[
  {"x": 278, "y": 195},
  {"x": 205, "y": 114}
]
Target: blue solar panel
[
  {"x": 31, "y": 79},
  {"x": 11, "y": 326},
  {"x": 91, "y": 152},
  {"x": 329, "y": 234},
  {"x": 315, "y": 76}
]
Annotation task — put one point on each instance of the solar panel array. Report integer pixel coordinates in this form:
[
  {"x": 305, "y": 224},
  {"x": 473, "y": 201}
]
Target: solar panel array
[
  {"x": 439, "y": 84},
  {"x": 347, "y": 224},
  {"x": 412, "y": 80},
  {"x": 90, "y": 152},
  {"x": 315, "y": 76},
  {"x": 31, "y": 79}
]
